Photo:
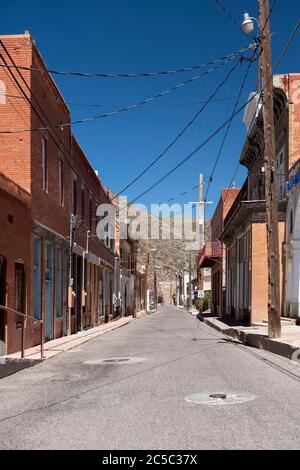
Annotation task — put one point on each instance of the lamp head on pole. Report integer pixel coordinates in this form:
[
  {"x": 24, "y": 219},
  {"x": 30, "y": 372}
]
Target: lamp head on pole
[{"x": 248, "y": 23}]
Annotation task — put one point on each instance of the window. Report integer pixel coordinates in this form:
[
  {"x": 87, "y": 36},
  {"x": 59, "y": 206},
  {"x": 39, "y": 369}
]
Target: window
[
  {"x": 59, "y": 283},
  {"x": 82, "y": 204},
  {"x": 244, "y": 268},
  {"x": 44, "y": 166},
  {"x": 37, "y": 278},
  {"x": 20, "y": 290},
  {"x": 61, "y": 182},
  {"x": 75, "y": 197}
]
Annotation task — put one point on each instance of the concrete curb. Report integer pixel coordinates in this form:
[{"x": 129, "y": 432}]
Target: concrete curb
[
  {"x": 256, "y": 340},
  {"x": 11, "y": 366},
  {"x": 194, "y": 313}
]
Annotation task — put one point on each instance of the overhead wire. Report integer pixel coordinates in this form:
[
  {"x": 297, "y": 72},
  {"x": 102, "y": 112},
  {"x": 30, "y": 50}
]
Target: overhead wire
[
  {"x": 125, "y": 108},
  {"x": 129, "y": 75},
  {"x": 227, "y": 129},
  {"x": 183, "y": 130},
  {"x": 66, "y": 156},
  {"x": 191, "y": 154}
]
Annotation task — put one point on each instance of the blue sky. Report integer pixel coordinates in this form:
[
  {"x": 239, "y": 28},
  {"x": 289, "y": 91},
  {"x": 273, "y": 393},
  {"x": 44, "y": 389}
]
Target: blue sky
[{"x": 149, "y": 35}]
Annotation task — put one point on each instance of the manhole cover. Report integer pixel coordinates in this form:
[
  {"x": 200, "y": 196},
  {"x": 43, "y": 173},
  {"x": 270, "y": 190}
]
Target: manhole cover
[
  {"x": 116, "y": 360},
  {"x": 220, "y": 398}
]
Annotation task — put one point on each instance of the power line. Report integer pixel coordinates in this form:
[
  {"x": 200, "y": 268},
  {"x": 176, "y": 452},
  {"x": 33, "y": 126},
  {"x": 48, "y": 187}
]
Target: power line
[
  {"x": 156, "y": 159},
  {"x": 231, "y": 182},
  {"x": 29, "y": 101},
  {"x": 129, "y": 75},
  {"x": 157, "y": 106},
  {"x": 227, "y": 129},
  {"x": 229, "y": 15},
  {"x": 285, "y": 48},
  {"x": 235, "y": 22},
  {"x": 283, "y": 52},
  {"x": 126, "y": 108},
  {"x": 197, "y": 186},
  {"x": 199, "y": 147},
  {"x": 109, "y": 105}
]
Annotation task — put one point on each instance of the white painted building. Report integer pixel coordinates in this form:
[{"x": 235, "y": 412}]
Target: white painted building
[{"x": 292, "y": 298}]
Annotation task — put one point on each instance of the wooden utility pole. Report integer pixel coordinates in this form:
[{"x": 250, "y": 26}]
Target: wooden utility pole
[
  {"x": 269, "y": 163},
  {"x": 146, "y": 277},
  {"x": 190, "y": 280},
  {"x": 202, "y": 229},
  {"x": 134, "y": 252}
]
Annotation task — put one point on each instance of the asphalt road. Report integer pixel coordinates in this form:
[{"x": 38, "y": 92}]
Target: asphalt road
[{"x": 68, "y": 403}]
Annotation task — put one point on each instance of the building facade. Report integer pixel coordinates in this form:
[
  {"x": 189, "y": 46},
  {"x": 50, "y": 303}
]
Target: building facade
[
  {"x": 212, "y": 255},
  {"x": 292, "y": 247},
  {"x": 15, "y": 264},
  {"x": 69, "y": 270},
  {"x": 244, "y": 231}
]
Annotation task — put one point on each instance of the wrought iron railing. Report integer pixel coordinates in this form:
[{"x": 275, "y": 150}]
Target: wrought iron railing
[{"x": 23, "y": 332}]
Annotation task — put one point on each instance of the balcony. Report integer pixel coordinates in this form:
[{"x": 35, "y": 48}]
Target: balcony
[{"x": 210, "y": 254}]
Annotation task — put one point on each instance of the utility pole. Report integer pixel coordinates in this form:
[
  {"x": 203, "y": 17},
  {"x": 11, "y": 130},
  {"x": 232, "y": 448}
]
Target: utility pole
[
  {"x": 135, "y": 248},
  {"x": 190, "y": 280},
  {"x": 146, "y": 277},
  {"x": 73, "y": 223},
  {"x": 202, "y": 229},
  {"x": 155, "y": 285},
  {"x": 84, "y": 262},
  {"x": 274, "y": 324}
]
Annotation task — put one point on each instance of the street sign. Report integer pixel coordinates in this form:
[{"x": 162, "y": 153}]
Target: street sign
[{"x": 200, "y": 294}]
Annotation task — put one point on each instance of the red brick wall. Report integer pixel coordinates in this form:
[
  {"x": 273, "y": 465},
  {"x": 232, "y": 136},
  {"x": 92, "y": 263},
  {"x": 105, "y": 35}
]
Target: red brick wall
[
  {"x": 293, "y": 88},
  {"x": 15, "y": 246},
  {"x": 259, "y": 296},
  {"x": 14, "y": 112},
  {"x": 21, "y": 156},
  {"x": 225, "y": 202}
]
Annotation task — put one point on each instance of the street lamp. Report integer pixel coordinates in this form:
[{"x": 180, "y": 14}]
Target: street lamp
[{"x": 248, "y": 23}]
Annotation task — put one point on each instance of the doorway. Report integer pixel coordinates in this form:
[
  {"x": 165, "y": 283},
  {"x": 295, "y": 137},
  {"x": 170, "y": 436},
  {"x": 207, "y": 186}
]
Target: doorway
[
  {"x": 78, "y": 291},
  {"x": 2, "y": 296},
  {"x": 49, "y": 292}
]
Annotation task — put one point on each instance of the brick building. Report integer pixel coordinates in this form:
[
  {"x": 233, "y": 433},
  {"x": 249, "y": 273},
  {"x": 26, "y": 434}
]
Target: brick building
[
  {"x": 292, "y": 245},
  {"x": 212, "y": 255},
  {"x": 15, "y": 262},
  {"x": 70, "y": 290},
  {"x": 244, "y": 231}
]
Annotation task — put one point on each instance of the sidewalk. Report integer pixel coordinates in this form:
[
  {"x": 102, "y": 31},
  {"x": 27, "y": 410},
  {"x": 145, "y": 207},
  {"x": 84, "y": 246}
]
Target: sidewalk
[
  {"x": 193, "y": 311},
  {"x": 257, "y": 336},
  {"x": 65, "y": 343}
]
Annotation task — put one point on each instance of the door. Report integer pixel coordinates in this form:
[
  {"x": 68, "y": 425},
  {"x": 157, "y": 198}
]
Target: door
[
  {"x": 78, "y": 291},
  {"x": 65, "y": 290},
  {"x": 2, "y": 296},
  {"x": 49, "y": 292}
]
